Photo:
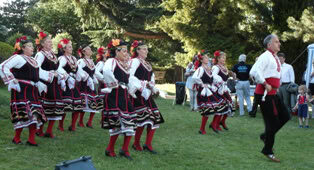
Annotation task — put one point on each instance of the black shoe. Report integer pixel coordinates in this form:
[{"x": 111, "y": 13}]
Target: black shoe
[
  {"x": 17, "y": 143},
  {"x": 210, "y": 126},
  {"x": 252, "y": 114},
  {"x": 110, "y": 154},
  {"x": 145, "y": 147},
  {"x": 225, "y": 127},
  {"x": 87, "y": 125},
  {"x": 122, "y": 153},
  {"x": 48, "y": 135},
  {"x": 31, "y": 144},
  {"x": 70, "y": 129}
]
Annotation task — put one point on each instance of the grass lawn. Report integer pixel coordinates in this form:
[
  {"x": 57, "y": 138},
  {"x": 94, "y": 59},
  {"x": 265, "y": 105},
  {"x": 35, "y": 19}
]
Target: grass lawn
[{"x": 177, "y": 141}]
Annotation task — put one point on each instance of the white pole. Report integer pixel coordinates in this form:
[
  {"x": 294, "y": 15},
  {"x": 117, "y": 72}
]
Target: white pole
[{"x": 310, "y": 50}]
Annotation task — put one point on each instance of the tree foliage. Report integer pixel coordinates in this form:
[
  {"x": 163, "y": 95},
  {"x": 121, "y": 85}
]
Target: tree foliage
[
  {"x": 51, "y": 18},
  {"x": 304, "y": 28},
  {"x": 13, "y": 15}
]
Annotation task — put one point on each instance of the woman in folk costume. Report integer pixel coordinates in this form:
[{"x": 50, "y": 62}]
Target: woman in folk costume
[
  {"x": 101, "y": 59},
  {"x": 71, "y": 76},
  {"x": 52, "y": 100},
  {"x": 22, "y": 75},
  {"x": 219, "y": 69},
  {"x": 119, "y": 115},
  {"x": 87, "y": 85},
  {"x": 142, "y": 87},
  {"x": 208, "y": 101}
]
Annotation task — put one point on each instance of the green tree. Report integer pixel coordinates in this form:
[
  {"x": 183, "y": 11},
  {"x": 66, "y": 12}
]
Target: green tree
[
  {"x": 304, "y": 28},
  {"x": 210, "y": 25},
  {"x": 51, "y": 18},
  {"x": 13, "y": 15}
]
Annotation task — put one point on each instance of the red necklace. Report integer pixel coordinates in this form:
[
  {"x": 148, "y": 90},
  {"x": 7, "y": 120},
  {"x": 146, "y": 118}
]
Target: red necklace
[
  {"x": 90, "y": 64},
  {"x": 223, "y": 69},
  {"x": 50, "y": 55},
  {"x": 146, "y": 64},
  {"x": 71, "y": 61},
  {"x": 30, "y": 60},
  {"x": 124, "y": 65}
]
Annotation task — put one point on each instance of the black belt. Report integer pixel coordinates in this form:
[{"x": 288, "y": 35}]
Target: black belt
[{"x": 285, "y": 83}]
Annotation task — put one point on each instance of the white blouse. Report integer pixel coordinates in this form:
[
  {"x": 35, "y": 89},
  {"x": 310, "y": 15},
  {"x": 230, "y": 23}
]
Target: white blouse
[
  {"x": 265, "y": 67},
  {"x": 99, "y": 68},
  {"x": 141, "y": 85},
  {"x": 18, "y": 61}
]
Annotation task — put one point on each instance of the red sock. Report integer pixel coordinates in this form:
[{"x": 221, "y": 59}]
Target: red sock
[
  {"x": 50, "y": 126},
  {"x": 223, "y": 120},
  {"x": 204, "y": 121},
  {"x": 17, "y": 137},
  {"x": 32, "y": 131},
  {"x": 112, "y": 142},
  {"x": 126, "y": 143},
  {"x": 137, "y": 139},
  {"x": 213, "y": 123},
  {"x": 81, "y": 124},
  {"x": 40, "y": 131},
  {"x": 149, "y": 137},
  {"x": 90, "y": 120},
  {"x": 218, "y": 123},
  {"x": 61, "y": 123},
  {"x": 74, "y": 119}
]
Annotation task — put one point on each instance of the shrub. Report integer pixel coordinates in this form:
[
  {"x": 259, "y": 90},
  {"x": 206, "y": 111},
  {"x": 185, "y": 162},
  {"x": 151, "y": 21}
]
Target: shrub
[{"x": 5, "y": 52}]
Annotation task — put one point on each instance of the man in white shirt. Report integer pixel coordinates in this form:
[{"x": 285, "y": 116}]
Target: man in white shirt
[
  {"x": 266, "y": 72},
  {"x": 286, "y": 77}
]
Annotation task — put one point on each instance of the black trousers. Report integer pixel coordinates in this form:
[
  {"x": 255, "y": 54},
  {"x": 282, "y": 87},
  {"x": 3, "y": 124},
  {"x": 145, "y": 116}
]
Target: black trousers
[
  {"x": 275, "y": 115},
  {"x": 257, "y": 101}
]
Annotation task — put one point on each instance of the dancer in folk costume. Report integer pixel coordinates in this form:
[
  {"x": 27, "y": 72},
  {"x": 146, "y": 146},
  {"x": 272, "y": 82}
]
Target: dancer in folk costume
[
  {"x": 22, "y": 75},
  {"x": 87, "y": 85},
  {"x": 266, "y": 72},
  {"x": 72, "y": 75},
  {"x": 219, "y": 69},
  {"x": 52, "y": 100},
  {"x": 119, "y": 115},
  {"x": 142, "y": 87},
  {"x": 101, "y": 59},
  {"x": 208, "y": 101}
]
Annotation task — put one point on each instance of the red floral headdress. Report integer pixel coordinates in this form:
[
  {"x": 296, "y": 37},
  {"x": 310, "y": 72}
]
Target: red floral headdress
[
  {"x": 38, "y": 40},
  {"x": 114, "y": 43},
  {"x": 134, "y": 47},
  {"x": 17, "y": 45},
  {"x": 100, "y": 52},
  {"x": 80, "y": 52},
  {"x": 198, "y": 61},
  {"x": 63, "y": 43},
  {"x": 216, "y": 55}
]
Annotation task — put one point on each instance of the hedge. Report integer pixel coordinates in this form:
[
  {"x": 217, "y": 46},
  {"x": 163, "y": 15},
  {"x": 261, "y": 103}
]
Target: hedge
[{"x": 6, "y": 51}]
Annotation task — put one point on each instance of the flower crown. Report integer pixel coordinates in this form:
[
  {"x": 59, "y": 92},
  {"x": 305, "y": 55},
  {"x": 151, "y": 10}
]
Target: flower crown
[
  {"x": 17, "y": 46},
  {"x": 217, "y": 53},
  {"x": 114, "y": 43},
  {"x": 134, "y": 47},
  {"x": 100, "y": 52},
  {"x": 41, "y": 36},
  {"x": 63, "y": 43}
]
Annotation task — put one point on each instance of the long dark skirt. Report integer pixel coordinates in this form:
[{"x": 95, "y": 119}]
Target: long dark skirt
[
  {"x": 119, "y": 115},
  {"x": 147, "y": 112},
  {"x": 213, "y": 104},
  {"x": 72, "y": 99},
  {"x": 26, "y": 109},
  {"x": 52, "y": 101}
]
